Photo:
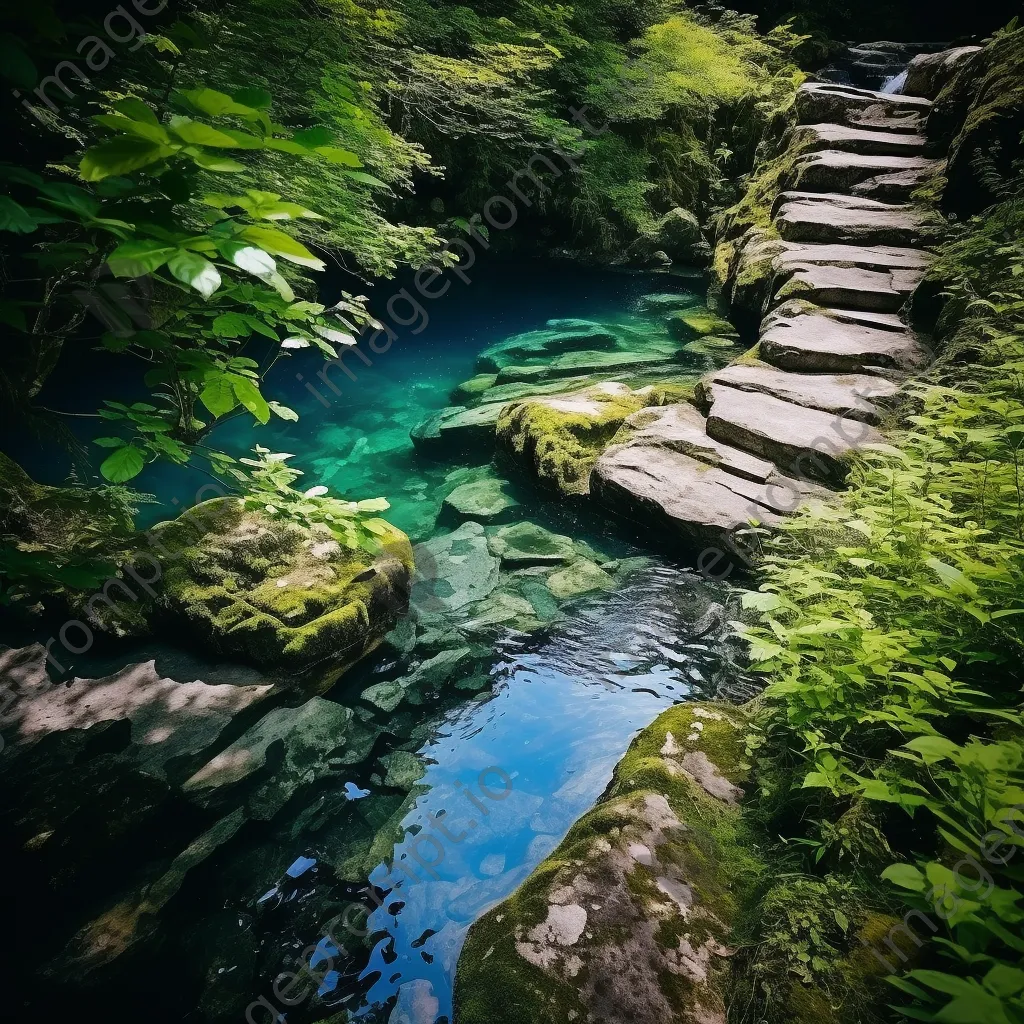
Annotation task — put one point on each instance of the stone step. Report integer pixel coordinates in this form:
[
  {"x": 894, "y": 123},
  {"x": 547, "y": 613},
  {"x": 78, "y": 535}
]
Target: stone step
[
  {"x": 805, "y": 217},
  {"x": 670, "y": 474},
  {"x": 898, "y": 187},
  {"x": 826, "y": 102},
  {"x": 852, "y": 395},
  {"x": 804, "y": 443},
  {"x": 859, "y": 140},
  {"x": 870, "y": 257},
  {"x": 801, "y": 337},
  {"x": 834, "y": 171},
  {"x": 849, "y": 287}
]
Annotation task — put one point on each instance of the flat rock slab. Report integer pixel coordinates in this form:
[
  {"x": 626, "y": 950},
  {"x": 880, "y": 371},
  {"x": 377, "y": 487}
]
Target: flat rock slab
[
  {"x": 800, "y": 338},
  {"x": 832, "y": 170},
  {"x": 851, "y": 395},
  {"x": 681, "y": 428},
  {"x": 804, "y": 443},
  {"x": 898, "y": 186},
  {"x": 859, "y": 140},
  {"x": 171, "y": 722},
  {"x": 884, "y": 291},
  {"x": 687, "y": 498},
  {"x": 802, "y": 220},
  {"x": 869, "y": 257},
  {"x": 825, "y": 102}
]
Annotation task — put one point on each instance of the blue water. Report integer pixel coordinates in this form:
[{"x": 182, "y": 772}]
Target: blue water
[{"x": 562, "y": 704}]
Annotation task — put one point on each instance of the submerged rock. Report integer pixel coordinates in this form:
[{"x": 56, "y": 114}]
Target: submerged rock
[
  {"x": 455, "y": 570},
  {"x": 486, "y": 500},
  {"x": 630, "y": 918},
  {"x": 528, "y": 544},
  {"x": 271, "y": 592},
  {"x": 687, "y": 324},
  {"x": 579, "y": 577}
]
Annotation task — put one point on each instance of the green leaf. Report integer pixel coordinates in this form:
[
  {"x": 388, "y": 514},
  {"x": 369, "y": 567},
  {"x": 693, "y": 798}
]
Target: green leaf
[
  {"x": 123, "y": 464},
  {"x": 932, "y": 748},
  {"x": 275, "y": 241},
  {"x": 139, "y": 257},
  {"x": 215, "y": 162},
  {"x": 258, "y": 99},
  {"x": 196, "y": 271},
  {"x": 1004, "y": 980},
  {"x": 199, "y": 134},
  {"x": 218, "y": 395},
  {"x": 136, "y": 110},
  {"x": 283, "y": 412},
  {"x": 334, "y": 155},
  {"x": 109, "y": 442},
  {"x": 977, "y": 1008},
  {"x": 906, "y": 876},
  {"x": 367, "y": 179},
  {"x": 249, "y": 395},
  {"x": 119, "y": 156},
  {"x": 66, "y": 196},
  {"x": 216, "y": 104},
  {"x": 14, "y": 217},
  {"x": 125, "y": 125}
]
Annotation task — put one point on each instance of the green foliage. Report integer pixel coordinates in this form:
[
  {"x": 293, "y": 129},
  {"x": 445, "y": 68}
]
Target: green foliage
[
  {"x": 892, "y": 627},
  {"x": 352, "y": 523}
]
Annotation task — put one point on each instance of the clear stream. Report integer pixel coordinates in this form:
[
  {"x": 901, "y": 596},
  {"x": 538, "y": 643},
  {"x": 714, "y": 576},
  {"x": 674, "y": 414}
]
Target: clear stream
[{"x": 556, "y": 710}]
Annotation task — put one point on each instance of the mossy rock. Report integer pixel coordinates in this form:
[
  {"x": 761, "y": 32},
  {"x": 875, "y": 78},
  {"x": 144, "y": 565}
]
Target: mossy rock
[
  {"x": 580, "y": 577},
  {"x": 630, "y": 918},
  {"x": 688, "y": 324},
  {"x": 558, "y": 439},
  {"x": 527, "y": 543},
  {"x": 486, "y": 500},
  {"x": 469, "y": 391},
  {"x": 276, "y": 594}
]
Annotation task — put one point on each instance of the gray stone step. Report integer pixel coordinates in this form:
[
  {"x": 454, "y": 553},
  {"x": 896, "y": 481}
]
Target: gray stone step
[
  {"x": 804, "y": 443},
  {"x": 870, "y": 257},
  {"x": 834, "y": 171},
  {"x": 852, "y": 395},
  {"x": 670, "y": 474},
  {"x": 806, "y": 218},
  {"x": 800, "y": 337},
  {"x": 849, "y": 287},
  {"x": 859, "y": 140},
  {"x": 825, "y": 102},
  {"x": 898, "y": 187}
]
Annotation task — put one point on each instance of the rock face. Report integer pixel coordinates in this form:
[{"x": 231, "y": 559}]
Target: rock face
[
  {"x": 629, "y": 919},
  {"x": 928, "y": 73},
  {"x": 266, "y": 591}
]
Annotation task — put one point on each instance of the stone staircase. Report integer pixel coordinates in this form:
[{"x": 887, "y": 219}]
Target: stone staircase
[{"x": 772, "y": 430}]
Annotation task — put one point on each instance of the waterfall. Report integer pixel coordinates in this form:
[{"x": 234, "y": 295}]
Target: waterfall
[{"x": 894, "y": 85}]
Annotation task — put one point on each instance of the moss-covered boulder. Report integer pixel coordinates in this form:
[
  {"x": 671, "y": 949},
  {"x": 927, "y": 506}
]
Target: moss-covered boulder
[
  {"x": 557, "y": 439},
  {"x": 264, "y": 590},
  {"x": 630, "y": 919},
  {"x": 979, "y": 118}
]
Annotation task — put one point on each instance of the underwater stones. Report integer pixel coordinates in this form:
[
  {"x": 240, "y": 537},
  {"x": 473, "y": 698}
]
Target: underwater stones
[
  {"x": 558, "y": 438},
  {"x": 579, "y": 577},
  {"x": 486, "y": 500},
  {"x": 849, "y": 395},
  {"x": 687, "y": 324},
  {"x": 457, "y": 430},
  {"x": 503, "y": 608},
  {"x": 806, "y": 443},
  {"x": 629, "y": 918},
  {"x": 402, "y": 769},
  {"x": 857, "y": 140},
  {"x": 802, "y": 337},
  {"x": 470, "y": 390},
  {"x": 804, "y": 217},
  {"x": 824, "y": 102},
  {"x": 666, "y": 301},
  {"x": 928, "y": 73},
  {"x": 271, "y": 592},
  {"x": 543, "y": 344},
  {"x": 304, "y": 742},
  {"x": 573, "y": 364},
  {"x": 170, "y": 723},
  {"x": 832, "y": 170},
  {"x": 527, "y": 543},
  {"x": 454, "y": 570}
]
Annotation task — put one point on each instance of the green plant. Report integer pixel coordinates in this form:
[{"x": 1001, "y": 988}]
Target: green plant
[{"x": 352, "y": 523}]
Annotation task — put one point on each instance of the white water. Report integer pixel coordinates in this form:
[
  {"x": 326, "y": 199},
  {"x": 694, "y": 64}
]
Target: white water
[{"x": 894, "y": 85}]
